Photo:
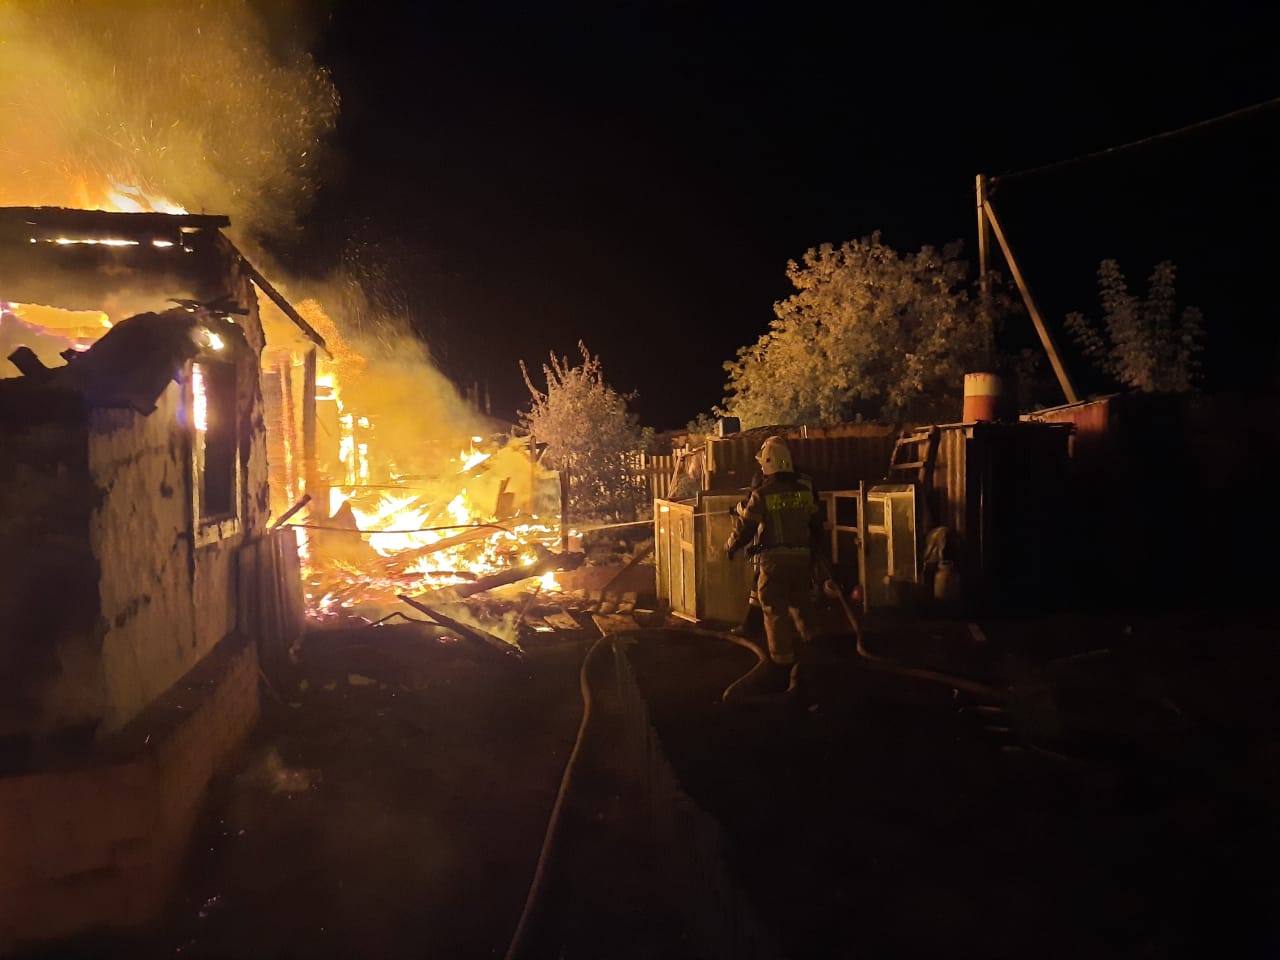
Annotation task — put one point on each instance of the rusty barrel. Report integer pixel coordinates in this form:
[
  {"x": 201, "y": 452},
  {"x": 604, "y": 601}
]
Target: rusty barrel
[{"x": 981, "y": 397}]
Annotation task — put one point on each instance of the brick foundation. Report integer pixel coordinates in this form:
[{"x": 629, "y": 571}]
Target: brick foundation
[{"x": 100, "y": 845}]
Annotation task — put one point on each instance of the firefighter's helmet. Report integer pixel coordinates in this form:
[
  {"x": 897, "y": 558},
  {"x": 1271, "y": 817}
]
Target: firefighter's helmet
[{"x": 774, "y": 457}]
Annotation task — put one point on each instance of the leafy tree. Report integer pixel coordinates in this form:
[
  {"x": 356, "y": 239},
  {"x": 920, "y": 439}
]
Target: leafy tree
[
  {"x": 869, "y": 331},
  {"x": 1142, "y": 343},
  {"x": 702, "y": 426},
  {"x": 589, "y": 433}
]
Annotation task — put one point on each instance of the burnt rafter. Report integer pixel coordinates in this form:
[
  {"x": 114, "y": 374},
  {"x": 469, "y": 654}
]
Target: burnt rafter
[
  {"x": 87, "y": 241},
  {"x": 263, "y": 284},
  {"x": 74, "y": 258},
  {"x": 46, "y": 223}
]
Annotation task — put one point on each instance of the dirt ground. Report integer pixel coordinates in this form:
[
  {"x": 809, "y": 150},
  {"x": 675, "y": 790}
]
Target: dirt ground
[
  {"x": 1124, "y": 801},
  {"x": 394, "y": 807}
]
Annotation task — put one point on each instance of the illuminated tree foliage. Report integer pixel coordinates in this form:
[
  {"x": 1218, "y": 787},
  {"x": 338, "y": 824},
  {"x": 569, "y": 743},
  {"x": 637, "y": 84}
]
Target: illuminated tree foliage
[
  {"x": 1143, "y": 343},
  {"x": 869, "y": 331},
  {"x": 590, "y": 433}
]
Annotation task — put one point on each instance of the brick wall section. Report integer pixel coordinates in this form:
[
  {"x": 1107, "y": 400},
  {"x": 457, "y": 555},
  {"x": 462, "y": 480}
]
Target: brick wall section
[{"x": 101, "y": 846}]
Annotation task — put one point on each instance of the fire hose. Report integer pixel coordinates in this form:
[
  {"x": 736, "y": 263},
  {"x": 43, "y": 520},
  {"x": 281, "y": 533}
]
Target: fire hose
[
  {"x": 518, "y": 946},
  {"x": 889, "y": 664},
  {"x": 533, "y": 899}
]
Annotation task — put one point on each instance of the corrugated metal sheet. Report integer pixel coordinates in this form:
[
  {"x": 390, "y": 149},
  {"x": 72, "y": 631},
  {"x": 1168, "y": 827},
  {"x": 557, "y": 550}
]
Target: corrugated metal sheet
[
  {"x": 1092, "y": 420},
  {"x": 947, "y": 501},
  {"x": 1137, "y": 471},
  {"x": 1001, "y": 490},
  {"x": 834, "y": 462}
]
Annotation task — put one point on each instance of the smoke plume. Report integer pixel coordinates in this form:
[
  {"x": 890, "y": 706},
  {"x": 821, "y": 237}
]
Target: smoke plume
[{"x": 195, "y": 102}]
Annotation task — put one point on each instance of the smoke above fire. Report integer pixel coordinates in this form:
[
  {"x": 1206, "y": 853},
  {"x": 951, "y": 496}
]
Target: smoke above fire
[
  {"x": 215, "y": 106},
  {"x": 112, "y": 104},
  {"x": 208, "y": 106},
  {"x": 386, "y": 372}
]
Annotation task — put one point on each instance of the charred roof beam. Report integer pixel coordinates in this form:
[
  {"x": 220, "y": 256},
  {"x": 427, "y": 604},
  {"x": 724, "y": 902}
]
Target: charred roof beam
[{"x": 276, "y": 297}]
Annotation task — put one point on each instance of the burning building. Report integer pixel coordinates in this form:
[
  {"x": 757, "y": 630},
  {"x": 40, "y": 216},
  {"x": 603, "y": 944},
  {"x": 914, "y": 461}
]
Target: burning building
[
  {"x": 136, "y": 499},
  {"x": 184, "y": 452},
  {"x": 405, "y": 488}
]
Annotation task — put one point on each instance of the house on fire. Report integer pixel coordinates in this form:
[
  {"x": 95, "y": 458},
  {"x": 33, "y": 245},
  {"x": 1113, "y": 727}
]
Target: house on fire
[{"x": 139, "y": 576}]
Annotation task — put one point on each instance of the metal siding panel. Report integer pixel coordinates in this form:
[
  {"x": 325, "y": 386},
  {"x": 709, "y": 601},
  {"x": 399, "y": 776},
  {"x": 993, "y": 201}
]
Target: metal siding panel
[
  {"x": 948, "y": 499},
  {"x": 835, "y": 463}
]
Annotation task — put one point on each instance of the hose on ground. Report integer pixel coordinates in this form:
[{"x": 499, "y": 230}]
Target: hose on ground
[
  {"x": 518, "y": 945},
  {"x": 935, "y": 676},
  {"x": 883, "y": 663}
]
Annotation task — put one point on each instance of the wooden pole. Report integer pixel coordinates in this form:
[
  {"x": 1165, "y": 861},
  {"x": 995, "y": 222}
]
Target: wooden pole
[
  {"x": 310, "y": 455},
  {"x": 289, "y": 422},
  {"x": 564, "y": 510},
  {"x": 285, "y": 306},
  {"x": 984, "y": 267},
  {"x": 1050, "y": 348},
  {"x": 533, "y": 474}
]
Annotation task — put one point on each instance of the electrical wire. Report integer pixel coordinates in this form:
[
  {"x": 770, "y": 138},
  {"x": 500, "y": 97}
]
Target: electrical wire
[
  {"x": 456, "y": 526},
  {"x": 1154, "y": 138}
]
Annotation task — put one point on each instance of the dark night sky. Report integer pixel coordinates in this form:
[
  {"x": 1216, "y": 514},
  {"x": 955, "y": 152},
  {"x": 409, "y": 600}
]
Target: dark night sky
[{"x": 638, "y": 176}]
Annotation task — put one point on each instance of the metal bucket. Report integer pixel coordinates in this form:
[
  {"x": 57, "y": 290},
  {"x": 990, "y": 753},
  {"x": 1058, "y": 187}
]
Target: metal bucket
[{"x": 982, "y": 392}]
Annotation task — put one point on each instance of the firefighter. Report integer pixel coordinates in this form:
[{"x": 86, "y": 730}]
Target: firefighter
[{"x": 783, "y": 513}]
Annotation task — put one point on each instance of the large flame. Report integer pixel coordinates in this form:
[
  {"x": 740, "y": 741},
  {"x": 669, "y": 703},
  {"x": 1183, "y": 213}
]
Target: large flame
[
  {"x": 410, "y": 491},
  {"x": 471, "y": 516}
]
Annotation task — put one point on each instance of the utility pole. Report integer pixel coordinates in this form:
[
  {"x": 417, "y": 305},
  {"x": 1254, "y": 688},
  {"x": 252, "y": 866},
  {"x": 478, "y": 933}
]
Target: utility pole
[
  {"x": 984, "y": 267},
  {"x": 987, "y": 220}
]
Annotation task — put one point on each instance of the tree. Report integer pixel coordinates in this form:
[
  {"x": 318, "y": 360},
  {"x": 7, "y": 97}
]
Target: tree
[
  {"x": 1141, "y": 342},
  {"x": 702, "y": 426},
  {"x": 589, "y": 433},
  {"x": 869, "y": 331}
]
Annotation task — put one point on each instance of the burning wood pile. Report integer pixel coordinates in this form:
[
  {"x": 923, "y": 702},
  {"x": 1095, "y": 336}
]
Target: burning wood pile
[
  {"x": 398, "y": 488},
  {"x": 430, "y": 539}
]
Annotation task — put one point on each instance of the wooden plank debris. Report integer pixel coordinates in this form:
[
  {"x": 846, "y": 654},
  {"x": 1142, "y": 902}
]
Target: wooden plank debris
[{"x": 470, "y": 632}]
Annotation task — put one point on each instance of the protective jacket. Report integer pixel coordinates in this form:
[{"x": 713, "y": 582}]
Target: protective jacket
[{"x": 782, "y": 514}]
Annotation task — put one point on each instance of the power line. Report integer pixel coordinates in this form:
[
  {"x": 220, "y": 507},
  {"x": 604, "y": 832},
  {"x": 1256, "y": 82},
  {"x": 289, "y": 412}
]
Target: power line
[{"x": 1167, "y": 135}]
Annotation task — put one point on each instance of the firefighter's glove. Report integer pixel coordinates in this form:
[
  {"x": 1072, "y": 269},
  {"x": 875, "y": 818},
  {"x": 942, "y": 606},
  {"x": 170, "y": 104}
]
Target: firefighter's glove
[{"x": 731, "y": 550}]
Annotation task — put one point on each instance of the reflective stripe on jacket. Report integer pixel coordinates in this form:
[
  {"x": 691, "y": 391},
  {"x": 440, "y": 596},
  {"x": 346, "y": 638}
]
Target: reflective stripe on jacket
[{"x": 786, "y": 511}]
